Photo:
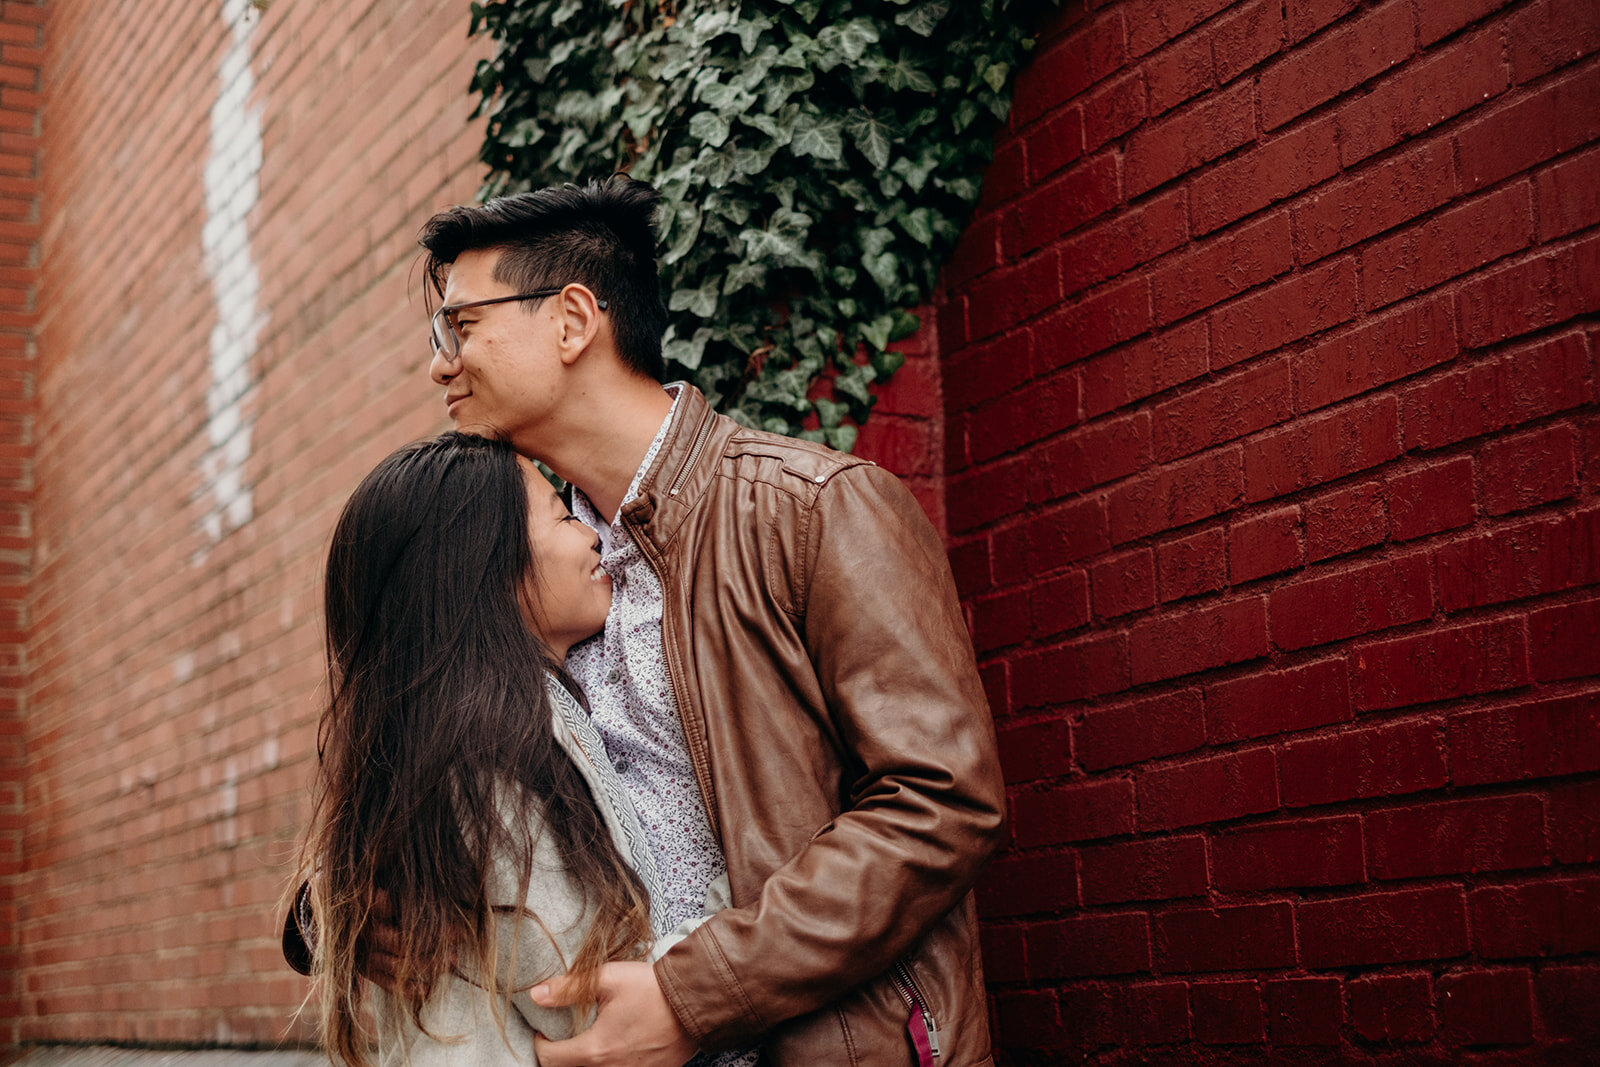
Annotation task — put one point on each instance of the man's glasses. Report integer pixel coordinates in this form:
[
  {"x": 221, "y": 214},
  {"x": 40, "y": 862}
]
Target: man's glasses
[{"x": 443, "y": 337}]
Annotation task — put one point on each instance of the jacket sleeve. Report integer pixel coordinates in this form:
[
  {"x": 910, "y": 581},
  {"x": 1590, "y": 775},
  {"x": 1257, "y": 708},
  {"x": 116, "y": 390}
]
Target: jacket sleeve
[{"x": 894, "y": 662}]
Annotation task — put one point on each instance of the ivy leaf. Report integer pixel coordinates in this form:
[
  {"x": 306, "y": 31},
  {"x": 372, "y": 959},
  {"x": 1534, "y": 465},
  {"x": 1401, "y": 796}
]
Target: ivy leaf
[
  {"x": 853, "y": 190},
  {"x": 782, "y": 191},
  {"x": 709, "y": 127},
  {"x": 687, "y": 353},
  {"x": 877, "y": 331},
  {"x": 782, "y": 249},
  {"x": 915, "y": 172},
  {"x": 886, "y": 363},
  {"x": 842, "y": 437},
  {"x": 742, "y": 274},
  {"x": 852, "y": 382},
  {"x": 685, "y": 228},
  {"x": 716, "y": 168},
  {"x": 966, "y": 111},
  {"x": 903, "y": 73},
  {"x": 817, "y": 137},
  {"x": 753, "y": 72},
  {"x": 872, "y": 137},
  {"x": 701, "y": 302},
  {"x": 828, "y": 412},
  {"x": 750, "y": 31},
  {"x": 705, "y": 26},
  {"x": 537, "y": 68},
  {"x": 966, "y": 189},
  {"x": 906, "y": 323},
  {"x": 524, "y": 133},
  {"x": 874, "y": 240},
  {"x": 850, "y": 40},
  {"x": 782, "y": 86},
  {"x": 919, "y": 224},
  {"x": 752, "y": 161},
  {"x": 924, "y": 18},
  {"x": 734, "y": 210},
  {"x": 779, "y": 127},
  {"x": 884, "y": 269},
  {"x": 726, "y": 98}
]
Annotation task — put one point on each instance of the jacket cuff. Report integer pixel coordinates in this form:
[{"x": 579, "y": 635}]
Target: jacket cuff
[{"x": 703, "y": 993}]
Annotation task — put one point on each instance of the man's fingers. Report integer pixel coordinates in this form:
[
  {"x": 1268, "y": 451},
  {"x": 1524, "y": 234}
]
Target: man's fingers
[
  {"x": 573, "y": 1052},
  {"x": 559, "y": 992},
  {"x": 633, "y": 1027}
]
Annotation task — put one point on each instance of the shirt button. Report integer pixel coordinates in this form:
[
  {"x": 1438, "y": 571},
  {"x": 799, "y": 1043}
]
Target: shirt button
[
  {"x": 621, "y": 765},
  {"x": 613, "y": 676}
]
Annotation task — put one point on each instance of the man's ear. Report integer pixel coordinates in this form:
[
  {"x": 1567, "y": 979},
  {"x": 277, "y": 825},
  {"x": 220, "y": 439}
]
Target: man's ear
[{"x": 580, "y": 319}]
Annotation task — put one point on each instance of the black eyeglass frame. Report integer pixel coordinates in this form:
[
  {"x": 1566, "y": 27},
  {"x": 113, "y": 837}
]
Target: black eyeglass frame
[{"x": 446, "y": 310}]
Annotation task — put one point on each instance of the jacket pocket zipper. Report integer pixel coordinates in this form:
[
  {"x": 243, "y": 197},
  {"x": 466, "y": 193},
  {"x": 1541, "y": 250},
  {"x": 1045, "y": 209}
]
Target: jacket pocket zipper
[
  {"x": 694, "y": 454},
  {"x": 920, "y": 1025}
]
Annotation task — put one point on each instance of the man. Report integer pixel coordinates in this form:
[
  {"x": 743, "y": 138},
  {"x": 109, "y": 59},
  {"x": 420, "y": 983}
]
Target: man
[{"x": 785, "y": 682}]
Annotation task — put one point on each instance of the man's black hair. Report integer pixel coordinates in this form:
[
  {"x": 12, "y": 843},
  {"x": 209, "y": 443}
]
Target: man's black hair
[{"x": 601, "y": 235}]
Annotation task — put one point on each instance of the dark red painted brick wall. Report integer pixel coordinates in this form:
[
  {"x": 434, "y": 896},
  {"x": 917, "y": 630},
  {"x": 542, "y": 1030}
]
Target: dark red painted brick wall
[
  {"x": 1272, "y": 460},
  {"x": 20, "y": 56}
]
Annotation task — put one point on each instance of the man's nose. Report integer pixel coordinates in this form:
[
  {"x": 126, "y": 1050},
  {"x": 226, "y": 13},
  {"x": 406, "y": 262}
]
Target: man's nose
[{"x": 441, "y": 370}]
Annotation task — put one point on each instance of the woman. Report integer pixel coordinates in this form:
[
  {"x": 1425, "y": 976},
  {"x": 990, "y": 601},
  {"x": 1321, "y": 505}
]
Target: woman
[{"x": 455, "y": 789}]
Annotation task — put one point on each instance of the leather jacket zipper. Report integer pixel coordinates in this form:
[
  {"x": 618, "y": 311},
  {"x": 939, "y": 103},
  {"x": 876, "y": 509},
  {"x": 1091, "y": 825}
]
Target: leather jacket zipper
[
  {"x": 920, "y": 1025},
  {"x": 693, "y": 737},
  {"x": 694, "y": 454}
]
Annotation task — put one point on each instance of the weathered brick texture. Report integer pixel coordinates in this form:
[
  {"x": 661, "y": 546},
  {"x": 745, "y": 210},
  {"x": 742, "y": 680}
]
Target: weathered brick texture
[
  {"x": 1309, "y": 547},
  {"x": 230, "y": 335},
  {"x": 186, "y": 493},
  {"x": 1269, "y": 457},
  {"x": 19, "y": 232}
]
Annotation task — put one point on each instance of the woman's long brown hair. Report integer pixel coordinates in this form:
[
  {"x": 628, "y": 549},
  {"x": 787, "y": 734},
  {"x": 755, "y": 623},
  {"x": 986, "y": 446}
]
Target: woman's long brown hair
[{"x": 436, "y": 706}]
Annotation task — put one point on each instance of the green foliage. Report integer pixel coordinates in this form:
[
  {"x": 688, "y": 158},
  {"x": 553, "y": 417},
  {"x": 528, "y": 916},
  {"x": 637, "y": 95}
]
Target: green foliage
[{"x": 817, "y": 160}]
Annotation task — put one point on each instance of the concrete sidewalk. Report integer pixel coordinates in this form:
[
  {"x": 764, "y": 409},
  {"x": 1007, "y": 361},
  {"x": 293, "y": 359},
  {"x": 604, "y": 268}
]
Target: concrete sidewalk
[{"x": 102, "y": 1056}]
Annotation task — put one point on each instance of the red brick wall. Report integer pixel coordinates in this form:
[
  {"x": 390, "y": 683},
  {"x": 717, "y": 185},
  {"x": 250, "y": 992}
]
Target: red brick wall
[
  {"x": 175, "y": 646},
  {"x": 1269, "y": 464},
  {"x": 1272, "y": 459},
  {"x": 19, "y": 230}
]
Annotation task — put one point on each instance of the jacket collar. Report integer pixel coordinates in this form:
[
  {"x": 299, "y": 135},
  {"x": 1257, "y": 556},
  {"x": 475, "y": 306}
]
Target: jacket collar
[{"x": 682, "y": 468}]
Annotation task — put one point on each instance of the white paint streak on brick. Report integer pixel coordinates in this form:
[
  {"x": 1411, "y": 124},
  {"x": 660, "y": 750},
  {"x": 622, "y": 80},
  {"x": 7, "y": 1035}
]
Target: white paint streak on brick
[{"x": 232, "y": 185}]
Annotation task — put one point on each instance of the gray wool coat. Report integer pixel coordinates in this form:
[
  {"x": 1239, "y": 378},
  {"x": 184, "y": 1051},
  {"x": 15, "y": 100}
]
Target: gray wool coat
[{"x": 459, "y": 1018}]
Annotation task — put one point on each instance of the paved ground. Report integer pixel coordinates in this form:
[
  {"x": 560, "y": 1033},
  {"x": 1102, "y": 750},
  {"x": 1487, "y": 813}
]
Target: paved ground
[{"x": 100, "y": 1056}]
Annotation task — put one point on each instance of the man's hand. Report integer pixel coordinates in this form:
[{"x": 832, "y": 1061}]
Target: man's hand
[{"x": 635, "y": 1025}]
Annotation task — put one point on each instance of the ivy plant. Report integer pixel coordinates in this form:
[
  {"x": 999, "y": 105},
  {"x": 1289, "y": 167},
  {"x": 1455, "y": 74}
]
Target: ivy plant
[{"x": 817, "y": 160}]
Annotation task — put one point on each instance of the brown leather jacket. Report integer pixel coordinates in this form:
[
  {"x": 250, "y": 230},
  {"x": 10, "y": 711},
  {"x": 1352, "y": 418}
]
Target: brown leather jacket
[{"x": 841, "y": 740}]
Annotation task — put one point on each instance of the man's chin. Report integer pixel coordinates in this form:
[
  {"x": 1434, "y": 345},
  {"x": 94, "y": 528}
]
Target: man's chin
[{"x": 478, "y": 428}]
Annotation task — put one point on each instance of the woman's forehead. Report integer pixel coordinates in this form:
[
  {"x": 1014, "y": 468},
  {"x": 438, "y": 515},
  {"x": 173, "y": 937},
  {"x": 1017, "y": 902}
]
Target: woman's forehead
[{"x": 540, "y": 488}]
